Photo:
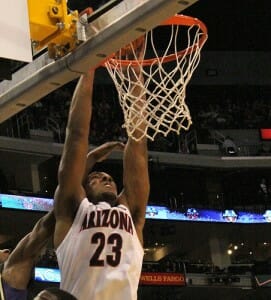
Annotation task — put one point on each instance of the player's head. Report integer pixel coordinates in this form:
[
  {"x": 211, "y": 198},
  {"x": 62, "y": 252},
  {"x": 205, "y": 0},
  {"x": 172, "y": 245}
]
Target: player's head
[
  {"x": 100, "y": 186},
  {"x": 54, "y": 294}
]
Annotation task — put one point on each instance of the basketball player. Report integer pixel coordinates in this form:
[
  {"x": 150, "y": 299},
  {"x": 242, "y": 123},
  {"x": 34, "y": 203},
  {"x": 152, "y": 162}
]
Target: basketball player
[
  {"x": 98, "y": 234},
  {"x": 17, "y": 269},
  {"x": 54, "y": 293}
]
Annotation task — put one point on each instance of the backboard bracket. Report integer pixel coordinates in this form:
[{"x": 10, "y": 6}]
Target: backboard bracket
[{"x": 106, "y": 34}]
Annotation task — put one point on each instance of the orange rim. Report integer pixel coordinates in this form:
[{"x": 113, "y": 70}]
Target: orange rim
[{"x": 175, "y": 20}]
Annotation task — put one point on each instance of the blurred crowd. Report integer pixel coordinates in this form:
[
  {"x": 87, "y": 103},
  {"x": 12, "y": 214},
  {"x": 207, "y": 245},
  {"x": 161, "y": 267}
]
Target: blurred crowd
[{"x": 229, "y": 112}]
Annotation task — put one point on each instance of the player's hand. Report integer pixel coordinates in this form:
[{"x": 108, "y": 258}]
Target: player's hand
[{"x": 109, "y": 147}]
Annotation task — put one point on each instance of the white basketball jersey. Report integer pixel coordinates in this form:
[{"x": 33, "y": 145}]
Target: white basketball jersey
[{"x": 101, "y": 256}]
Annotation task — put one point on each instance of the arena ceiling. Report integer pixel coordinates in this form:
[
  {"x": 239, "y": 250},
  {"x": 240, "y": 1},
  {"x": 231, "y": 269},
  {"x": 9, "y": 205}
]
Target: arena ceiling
[{"x": 232, "y": 24}]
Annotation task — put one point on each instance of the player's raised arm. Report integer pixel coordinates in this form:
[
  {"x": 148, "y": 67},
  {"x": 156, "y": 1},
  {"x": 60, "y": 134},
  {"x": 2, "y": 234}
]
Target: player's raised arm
[
  {"x": 100, "y": 154},
  {"x": 70, "y": 192},
  {"x": 18, "y": 267},
  {"x": 135, "y": 164}
]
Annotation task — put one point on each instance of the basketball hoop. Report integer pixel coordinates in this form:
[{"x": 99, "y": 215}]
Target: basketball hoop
[{"x": 166, "y": 72}]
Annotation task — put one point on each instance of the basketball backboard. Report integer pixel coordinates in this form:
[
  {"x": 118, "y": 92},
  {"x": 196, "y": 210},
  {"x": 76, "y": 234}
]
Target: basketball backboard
[
  {"x": 15, "y": 40},
  {"x": 121, "y": 24}
]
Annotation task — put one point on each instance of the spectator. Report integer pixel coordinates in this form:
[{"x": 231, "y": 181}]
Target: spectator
[
  {"x": 263, "y": 192},
  {"x": 229, "y": 148},
  {"x": 54, "y": 294}
]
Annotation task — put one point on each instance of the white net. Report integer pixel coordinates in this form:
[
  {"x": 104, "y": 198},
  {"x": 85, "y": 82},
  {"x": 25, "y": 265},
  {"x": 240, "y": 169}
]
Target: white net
[{"x": 166, "y": 75}]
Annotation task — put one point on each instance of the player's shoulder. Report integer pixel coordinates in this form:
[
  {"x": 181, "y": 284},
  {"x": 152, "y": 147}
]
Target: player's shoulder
[
  {"x": 123, "y": 207},
  {"x": 122, "y": 201}
]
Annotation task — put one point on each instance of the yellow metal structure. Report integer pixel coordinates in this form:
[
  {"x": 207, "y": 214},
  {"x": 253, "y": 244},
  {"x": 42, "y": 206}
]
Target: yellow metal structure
[{"x": 51, "y": 25}]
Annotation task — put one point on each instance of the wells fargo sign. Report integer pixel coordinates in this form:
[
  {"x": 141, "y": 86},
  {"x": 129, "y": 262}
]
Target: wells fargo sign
[{"x": 162, "y": 279}]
